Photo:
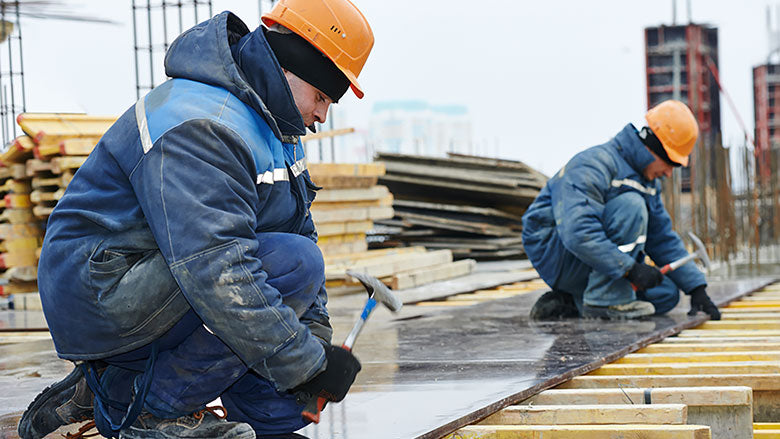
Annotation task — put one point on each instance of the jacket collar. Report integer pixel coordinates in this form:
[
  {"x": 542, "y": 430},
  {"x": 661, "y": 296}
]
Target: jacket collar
[{"x": 630, "y": 147}]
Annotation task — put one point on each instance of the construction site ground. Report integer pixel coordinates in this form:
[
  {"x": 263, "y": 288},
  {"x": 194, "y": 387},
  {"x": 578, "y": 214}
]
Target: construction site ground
[{"x": 431, "y": 369}]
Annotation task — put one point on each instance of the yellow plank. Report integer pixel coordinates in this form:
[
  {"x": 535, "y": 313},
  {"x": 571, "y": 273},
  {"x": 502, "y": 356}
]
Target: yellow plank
[
  {"x": 385, "y": 201},
  {"x": 17, "y": 201},
  {"x": 666, "y": 348},
  {"x": 766, "y": 426},
  {"x": 736, "y": 367},
  {"x": 346, "y": 169},
  {"x": 705, "y": 333},
  {"x": 691, "y": 396},
  {"x": 742, "y": 324},
  {"x": 766, "y": 434},
  {"x": 582, "y": 432},
  {"x": 342, "y": 228},
  {"x": 341, "y": 239},
  {"x": 757, "y": 382},
  {"x": 669, "y": 414},
  {"x": 725, "y": 339},
  {"x": 20, "y": 150},
  {"x": 750, "y": 310},
  {"x": 38, "y": 125},
  {"x": 744, "y": 304},
  {"x": 750, "y": 316},
  {"x": 699, "y": 357},
  {"x": 60, "y": 164}
]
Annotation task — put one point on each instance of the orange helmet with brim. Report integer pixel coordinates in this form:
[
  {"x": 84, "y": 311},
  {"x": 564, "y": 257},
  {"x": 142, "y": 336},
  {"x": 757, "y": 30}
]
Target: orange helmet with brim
[
  {"x": 675, "y": 126},
  {"x": 335, "y": 27}
]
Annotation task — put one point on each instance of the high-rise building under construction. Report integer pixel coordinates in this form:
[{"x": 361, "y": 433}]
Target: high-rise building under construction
[{"x": 680, "y": 60}]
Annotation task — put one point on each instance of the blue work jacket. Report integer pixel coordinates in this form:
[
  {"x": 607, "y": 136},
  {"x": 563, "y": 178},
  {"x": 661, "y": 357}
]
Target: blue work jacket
[
  {"x": 188, "y": 177},
  {"x": 567, "y": 215}
]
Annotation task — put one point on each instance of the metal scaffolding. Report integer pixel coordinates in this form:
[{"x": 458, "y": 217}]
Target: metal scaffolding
[{"x": 12, "y": 95}]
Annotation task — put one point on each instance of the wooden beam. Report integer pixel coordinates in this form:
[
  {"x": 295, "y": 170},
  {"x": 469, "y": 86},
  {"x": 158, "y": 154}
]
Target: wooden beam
[
  {"x": 667, "y": 348},
  {"x": 356, "y": 214},
  {"x": 391, "y": 265},
  {"x": 690, "y": 396},
  {"x": 428, "y": 275},
  {"x": 756, "y": 381},
  {"x": 672, "y": 414},
  {"x": 736, "y": 367},
  {"x": 327, "y": 134},
  {"x": 612, "y": 431},
  {"x": 699, "y": 357},
  {"x": 346, "y": 169},
  {"x": 333, "y": 195}
]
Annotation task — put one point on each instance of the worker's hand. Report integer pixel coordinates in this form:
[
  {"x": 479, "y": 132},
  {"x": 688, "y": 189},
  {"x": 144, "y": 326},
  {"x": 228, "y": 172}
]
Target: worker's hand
[
  {"x": 700, "y": 301},
  {"x": 644, "y": 276},
  {"x": 338, "y": 376}
]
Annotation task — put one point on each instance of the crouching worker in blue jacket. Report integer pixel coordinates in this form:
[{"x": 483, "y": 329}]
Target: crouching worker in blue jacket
[
  {"x": 181, "y": 266},
  {"x": 588, "y": 230}
]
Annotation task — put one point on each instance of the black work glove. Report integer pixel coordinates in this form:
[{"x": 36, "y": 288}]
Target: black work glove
[
  {"x": 700, "y": 301},
  {"x": 644, "y": 276},
  {"x": 333, "y": 382}
]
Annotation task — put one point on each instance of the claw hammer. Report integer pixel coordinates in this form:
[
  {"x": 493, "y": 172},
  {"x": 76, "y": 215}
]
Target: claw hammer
[
  {"x": 700, "y": 252},
  {"x": 377, "y": 293}
]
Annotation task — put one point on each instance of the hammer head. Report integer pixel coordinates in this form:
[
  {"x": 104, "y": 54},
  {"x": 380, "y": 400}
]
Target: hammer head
[
  {"x": 379, "y": 291},
  {"x": 700, "y": 250}
]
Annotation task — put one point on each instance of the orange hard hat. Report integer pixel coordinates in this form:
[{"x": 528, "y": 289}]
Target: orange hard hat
[
  {"x": 675, "y": 126},
  {"x": 335, "y": 27}
]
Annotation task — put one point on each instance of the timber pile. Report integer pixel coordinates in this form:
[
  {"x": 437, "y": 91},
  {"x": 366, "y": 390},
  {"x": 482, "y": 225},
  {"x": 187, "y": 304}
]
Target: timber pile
[
  {"x": 470, "y": 205},
  {"x": 20, "y": 233},
  {"x": 41, "y": 164},
  {"x": 345, "y": 211}
]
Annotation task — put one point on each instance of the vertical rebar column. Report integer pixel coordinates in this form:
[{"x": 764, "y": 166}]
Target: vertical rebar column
[
  {"x": 21, "y": 59},
  {"x": 135, "y": 52},
  {"x": 151, "y": 51},
  {"x": 12, "y": 131}
]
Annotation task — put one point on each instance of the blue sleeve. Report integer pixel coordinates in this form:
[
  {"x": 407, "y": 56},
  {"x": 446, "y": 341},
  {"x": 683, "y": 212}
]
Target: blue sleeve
[
  {"x": 197, "y": 190},
  {"x": 578, "y": 204},
  {"x": 664, "y": 246}
]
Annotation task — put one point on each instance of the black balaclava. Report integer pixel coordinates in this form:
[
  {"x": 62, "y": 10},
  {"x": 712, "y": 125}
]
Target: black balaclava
[
  {"x": 651, "y": 141},
  {"x": 306, "y": 62}
]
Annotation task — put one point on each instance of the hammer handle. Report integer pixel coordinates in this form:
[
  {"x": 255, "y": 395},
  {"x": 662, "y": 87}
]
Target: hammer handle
[{"x": 673, "y": 265}]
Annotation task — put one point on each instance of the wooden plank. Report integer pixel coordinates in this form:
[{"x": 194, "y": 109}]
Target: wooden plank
[
  {"x": 735, "y": 367},
  {"x": 60, "y": 164},
  {"x": 332, "y": 195},
  {"x": 386, "y": 201},
  {"x": 54, "y": 145},
  {"x": 742, "y": 324},
  {"x": 35, "y": 166},
  {"x": 38, "y": 125},
  {"x": 327, "y": 134},
  {"x": 344, "y": 182},
  {"x": 341, "y": 228},
  {"x": 16, "y": 231},
  {"x": 606, "y": 431},
  {"x": 465, "y": 284},
  {"x": 748, "y": 304},
  {"x": 756, "y": 381},
  {"x": 708, "y": 333},
  {"x": 517, "y": 193},
  {"x": 341, "y": 239},
  {"x": 692, "y": 396},
  {"x": 356, "y": 214},
  {"x": 17, "y": 215},
  {"x": 699, "y": 357},
  {"x": 375, "y": 255},
  {"x": 20, "y": 150},
  {"x": 669, "y": 414},
  {"x": 667, "y": 348},
  {"x": 442, "y": 173},
  {"x": 18, "y": 259},
  {"x": 39, "y": 196},
  {"x": 456, "y": 225},
  {"x": 17, "y": 201},
  {"x": 428, "y": 275},
  {"x": 42, "y": 211},
  {"x": 725, "y": 339},
  {"x": 339, "y": 248},
  {"x": 27, "y": 301},
  {"x": 346, "y": 169},
  {"x": 392, "y": 264},
  {"x": 17, "y": 287}
]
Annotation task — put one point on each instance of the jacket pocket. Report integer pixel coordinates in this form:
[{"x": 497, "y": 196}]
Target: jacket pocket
[{"x": 134, "y": 288}]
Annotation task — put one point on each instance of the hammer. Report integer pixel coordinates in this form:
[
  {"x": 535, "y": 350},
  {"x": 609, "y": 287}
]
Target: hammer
[
  {"x": 700, "y": 252},
  {"x": 377, "y": 293}
]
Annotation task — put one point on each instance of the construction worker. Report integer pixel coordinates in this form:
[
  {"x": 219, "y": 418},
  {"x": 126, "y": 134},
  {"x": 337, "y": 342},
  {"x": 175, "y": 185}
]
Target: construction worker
[
  {"x": 181, "y": 266},
  {"x": 591, "y": 225}
]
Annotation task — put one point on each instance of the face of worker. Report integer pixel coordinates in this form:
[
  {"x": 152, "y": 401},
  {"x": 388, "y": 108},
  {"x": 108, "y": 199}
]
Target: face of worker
[
  {"x": 658, "y": 168},
  {"x": 312, "y": 103}
]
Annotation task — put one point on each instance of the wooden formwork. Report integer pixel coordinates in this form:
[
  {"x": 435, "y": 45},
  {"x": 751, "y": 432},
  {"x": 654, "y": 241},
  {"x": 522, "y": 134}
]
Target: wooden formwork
[{"x": 726, "y": 374}]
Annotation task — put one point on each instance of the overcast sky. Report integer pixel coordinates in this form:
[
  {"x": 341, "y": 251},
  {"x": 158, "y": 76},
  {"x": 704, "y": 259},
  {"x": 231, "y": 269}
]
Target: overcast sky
[{"x": 542, "y": 80}]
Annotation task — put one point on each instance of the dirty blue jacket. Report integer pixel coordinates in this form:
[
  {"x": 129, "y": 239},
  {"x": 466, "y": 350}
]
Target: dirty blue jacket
[
  {"x": 186, "y": 179},
  {"x": 567, "y": 214}
]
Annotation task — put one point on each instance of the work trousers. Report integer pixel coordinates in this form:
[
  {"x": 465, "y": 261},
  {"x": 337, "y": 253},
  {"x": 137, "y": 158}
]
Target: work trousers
[
  {"x": 193, "y": 366},
  {"x": 625, "y": 223}
]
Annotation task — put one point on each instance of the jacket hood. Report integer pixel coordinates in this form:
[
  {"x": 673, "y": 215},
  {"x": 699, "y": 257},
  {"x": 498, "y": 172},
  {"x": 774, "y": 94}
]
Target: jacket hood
[
  {"x": 204, "y": 54},
  {"x": 633, "y": 151}
]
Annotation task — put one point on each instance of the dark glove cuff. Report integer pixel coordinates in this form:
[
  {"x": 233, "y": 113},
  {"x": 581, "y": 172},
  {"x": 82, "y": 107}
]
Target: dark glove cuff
[{"x": 701, "y": 289}]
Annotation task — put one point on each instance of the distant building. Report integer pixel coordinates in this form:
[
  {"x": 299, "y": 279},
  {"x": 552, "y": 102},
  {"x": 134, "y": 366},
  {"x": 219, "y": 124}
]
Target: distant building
[
  {"x": 678, "y": 67},
  {"x": 419, "y": 128},
  {"x": 766, "y": 106}
]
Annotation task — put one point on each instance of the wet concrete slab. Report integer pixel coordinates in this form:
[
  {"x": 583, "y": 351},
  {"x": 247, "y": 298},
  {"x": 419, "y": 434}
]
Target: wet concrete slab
[{"x": 427, "y": 371}]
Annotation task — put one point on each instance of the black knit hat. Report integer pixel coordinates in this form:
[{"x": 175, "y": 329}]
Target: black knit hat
[
  {"x": 651, "y": 141},
  {"x": 306, "y": 62}
]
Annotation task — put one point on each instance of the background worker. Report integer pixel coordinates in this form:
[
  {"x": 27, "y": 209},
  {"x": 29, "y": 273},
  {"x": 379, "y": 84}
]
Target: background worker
[
  {"x": 591, "y": 225},
  {"x": 181, "y": 264}
]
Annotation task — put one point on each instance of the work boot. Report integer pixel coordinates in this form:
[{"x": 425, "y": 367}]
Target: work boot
[
  {"x": 632, "y": 310},
  {"x": 203, "y": 424},
  {"x": 554, "y": 305},
  {"x": 62, "y": 403}
]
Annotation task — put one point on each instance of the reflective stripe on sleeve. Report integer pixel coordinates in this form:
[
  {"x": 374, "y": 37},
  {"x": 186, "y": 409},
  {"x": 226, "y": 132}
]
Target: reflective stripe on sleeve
[
  {"x": 627, "y": 248},
  {"x": 634, "y": 185},
  {"x": 143, "y": 127}
]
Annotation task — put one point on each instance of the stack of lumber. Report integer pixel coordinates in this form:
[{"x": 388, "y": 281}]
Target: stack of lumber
[
  {"x": 62, "y": 144},
  {"x": 470, "y": 205},
  {"x": 20, "y": 233},
  {"x": 37, "y": 168},
  {"x": 345, "y": 211}
]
